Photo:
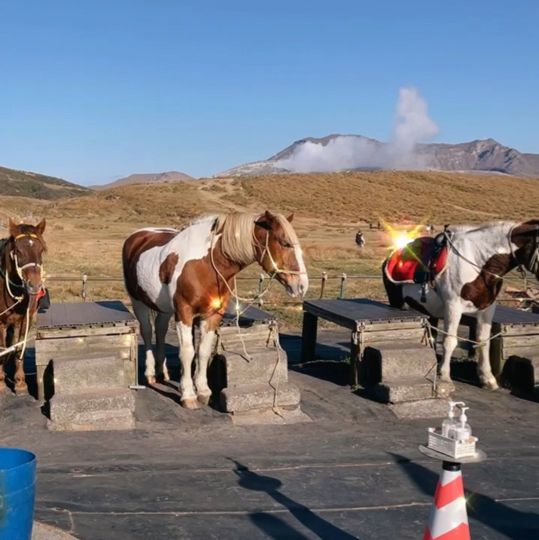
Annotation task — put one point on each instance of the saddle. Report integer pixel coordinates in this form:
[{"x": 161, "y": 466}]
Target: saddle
[{"x": 420, "y": 261}]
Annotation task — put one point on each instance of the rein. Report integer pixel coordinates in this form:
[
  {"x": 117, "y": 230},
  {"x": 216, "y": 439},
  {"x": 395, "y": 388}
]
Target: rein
[{"x": 474, "y": 264}]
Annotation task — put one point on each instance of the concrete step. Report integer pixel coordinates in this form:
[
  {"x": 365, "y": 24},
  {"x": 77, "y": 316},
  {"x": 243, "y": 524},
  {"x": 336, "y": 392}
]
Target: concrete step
[
  {"x": 393, "y": 360},
  {"x": 264, "y": 365},
  {"x": 405, "y": 389},
  {"x": 73, "y": 376},
  {"x": 250, "y": 397},
  {"x": 96, "y": 410}
]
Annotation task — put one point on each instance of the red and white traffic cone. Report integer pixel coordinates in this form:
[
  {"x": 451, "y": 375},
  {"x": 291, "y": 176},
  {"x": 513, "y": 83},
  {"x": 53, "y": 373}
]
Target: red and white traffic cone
[{"x": 448, "y": 518}]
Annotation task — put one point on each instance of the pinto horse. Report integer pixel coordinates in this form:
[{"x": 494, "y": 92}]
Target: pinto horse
[
  {"x": 477, "y": 260},
  {"x": 190, "y": 274},
  {"x": 21, "y": 286}
]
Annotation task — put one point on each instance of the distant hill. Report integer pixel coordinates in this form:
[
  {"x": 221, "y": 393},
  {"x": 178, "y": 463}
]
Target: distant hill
[
  {"x": 37, "y": 186},
  {"x": 335, "y": 153},
  {"x": 147, "y": 178}
]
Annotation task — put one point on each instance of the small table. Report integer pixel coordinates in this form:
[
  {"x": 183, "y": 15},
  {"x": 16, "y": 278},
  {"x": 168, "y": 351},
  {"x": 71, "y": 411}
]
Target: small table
[
  {"x": 358, "y": 315},
  {"x": 84, "y": 330}
]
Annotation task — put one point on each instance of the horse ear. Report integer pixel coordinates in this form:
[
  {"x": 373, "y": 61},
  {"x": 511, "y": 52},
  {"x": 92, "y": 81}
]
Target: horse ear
[
  {"x": 270, "y": 218},
  {"x": 263, "y": 224},
  {"x": 12, "y": 226},
  {"x": 290, "y": 218},
  {"x": 41, "y": 226}
]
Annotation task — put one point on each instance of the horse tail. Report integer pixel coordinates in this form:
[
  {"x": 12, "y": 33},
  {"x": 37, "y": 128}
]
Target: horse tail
[
  {"x": 393, "y": 290},
  {"x": 126, "y": 267}
]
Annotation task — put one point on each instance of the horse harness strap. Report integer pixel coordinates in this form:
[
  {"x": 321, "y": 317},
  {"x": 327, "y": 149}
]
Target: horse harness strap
[{"x": 534, "y": 259}]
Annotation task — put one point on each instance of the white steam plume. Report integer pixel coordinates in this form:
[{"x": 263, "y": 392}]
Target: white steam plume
[{"x": 412, "y": 125}]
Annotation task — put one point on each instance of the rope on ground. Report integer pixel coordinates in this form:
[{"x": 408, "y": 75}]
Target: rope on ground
[{"x": 476, "y": 344}]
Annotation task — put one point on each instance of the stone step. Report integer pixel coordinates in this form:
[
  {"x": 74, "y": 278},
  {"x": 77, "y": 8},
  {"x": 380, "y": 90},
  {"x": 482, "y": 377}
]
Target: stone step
[
  {"x": 250, "y": 397},
  {"x": 72, "y": 376},
  {"x": 232, "y": 340},
  {"x": 393, "y": 360},
  {"x": 96, "y": 410},
  {"x": 264, "y": 365},
  {"x": 405, "y": 389}
]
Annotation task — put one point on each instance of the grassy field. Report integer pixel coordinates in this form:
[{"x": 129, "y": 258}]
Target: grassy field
[{"x": 85, "y": 234}]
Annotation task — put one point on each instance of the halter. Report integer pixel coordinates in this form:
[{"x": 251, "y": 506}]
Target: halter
[
  {"x": 275, "y": 268},
  {"x": 533, "y": 263},
  {"x": 19, "y": 269}
]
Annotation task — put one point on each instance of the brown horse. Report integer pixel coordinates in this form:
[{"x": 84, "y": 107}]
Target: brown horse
[
  {"x": 21, "y": 286},
  {"x": 190, "y": 274}
]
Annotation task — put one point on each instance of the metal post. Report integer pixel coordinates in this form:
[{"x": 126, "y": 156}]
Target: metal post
[
  {"x": 323, "y": 284},
  {"x": 84, "y": 282},
  {"x": 343, "y": 285}
]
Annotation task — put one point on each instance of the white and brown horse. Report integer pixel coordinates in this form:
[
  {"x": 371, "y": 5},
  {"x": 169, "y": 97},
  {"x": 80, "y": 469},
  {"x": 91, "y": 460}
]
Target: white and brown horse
[
  {"x": 190, "y": 274},
  {"x": 21, "y": 286},
  {"x": 477, "y": 260}
]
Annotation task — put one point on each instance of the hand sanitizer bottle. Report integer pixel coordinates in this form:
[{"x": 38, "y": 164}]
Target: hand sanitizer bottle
[
  {"x": 449, "y": 421},
  {"x": 463, "y": 431},
  {"x": 449, "y": 424}
]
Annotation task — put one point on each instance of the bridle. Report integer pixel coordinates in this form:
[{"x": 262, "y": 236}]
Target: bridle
[
  {"x": 20, "y": 269},
  {"x": 274, "y": 266}
]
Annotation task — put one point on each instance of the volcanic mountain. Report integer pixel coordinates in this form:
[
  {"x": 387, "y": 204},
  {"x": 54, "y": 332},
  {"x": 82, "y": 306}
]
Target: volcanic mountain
[{"x": 355, "y": 152}]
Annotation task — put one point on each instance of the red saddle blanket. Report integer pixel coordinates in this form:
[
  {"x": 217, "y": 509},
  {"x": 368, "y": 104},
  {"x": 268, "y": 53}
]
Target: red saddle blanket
[{"x": 419, "y": 261}]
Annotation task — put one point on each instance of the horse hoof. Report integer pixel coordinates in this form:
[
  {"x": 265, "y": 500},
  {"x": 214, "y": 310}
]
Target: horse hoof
[
  {"x": 190, "y": 403},
  {"x": 150, "y": 379},
  {"x": 21, "y": 389},
  {"x": 204, "y": 399},
  {"x": 444, "y": 388},
  {"x": 491, "y": 384}
]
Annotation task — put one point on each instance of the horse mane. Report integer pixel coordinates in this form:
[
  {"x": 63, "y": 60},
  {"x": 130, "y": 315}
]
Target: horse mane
[
  {"x": 25, "y": 228},
  {"x": 467, "y": 229},
  {"x": 237, "y": 235}
]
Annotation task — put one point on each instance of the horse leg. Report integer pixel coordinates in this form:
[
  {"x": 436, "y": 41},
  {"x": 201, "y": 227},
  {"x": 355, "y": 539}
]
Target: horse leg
[
  {"x": 2, "y": 360},
  {"x": 205, "y": 349},
  {"x": 452, "y": 317},
  {"x": 187, "y": 353},
  {"x": 143, "y": 314},
  {"x": 2, "y": 378},
  {"x": 21, "y": 387},
  {"x": 161, "y": 327},
  {"x": 484, "y": 325}
]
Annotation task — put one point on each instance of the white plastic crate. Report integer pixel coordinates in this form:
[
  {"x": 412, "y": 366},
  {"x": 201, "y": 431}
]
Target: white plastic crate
[{"x": 451, "y": 447}]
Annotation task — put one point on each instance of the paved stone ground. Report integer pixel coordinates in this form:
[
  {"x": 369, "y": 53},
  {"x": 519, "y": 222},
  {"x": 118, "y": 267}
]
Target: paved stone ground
[{"x": 354, "y": 472}]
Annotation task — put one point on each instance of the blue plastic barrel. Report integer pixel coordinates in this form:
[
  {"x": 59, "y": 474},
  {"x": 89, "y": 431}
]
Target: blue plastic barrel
[{"x": 17, "y": 493}]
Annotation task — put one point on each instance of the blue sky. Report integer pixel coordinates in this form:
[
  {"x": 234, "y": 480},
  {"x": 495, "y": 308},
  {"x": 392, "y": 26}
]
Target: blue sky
[{"x": 94, "y": 90}]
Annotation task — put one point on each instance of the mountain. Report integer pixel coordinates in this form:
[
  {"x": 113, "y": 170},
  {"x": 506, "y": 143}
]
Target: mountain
[
  {"x": 355, "y": 152},
  {"x": 148, "y": 178},
  {"x": 37, "y": 186}
]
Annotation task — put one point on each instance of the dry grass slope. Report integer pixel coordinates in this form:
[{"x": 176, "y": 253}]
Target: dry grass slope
[
  {"x": 85, "y": 234},
  {"x": 39, "y": 186}
]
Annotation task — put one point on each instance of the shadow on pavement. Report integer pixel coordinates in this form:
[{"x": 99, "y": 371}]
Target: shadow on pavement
[
  {"x": 499, "y": 517},
  {"x": 275, "y": 527}
]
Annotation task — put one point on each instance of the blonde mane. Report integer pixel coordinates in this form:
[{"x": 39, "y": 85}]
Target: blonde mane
[{"x": 237, "y": 235}]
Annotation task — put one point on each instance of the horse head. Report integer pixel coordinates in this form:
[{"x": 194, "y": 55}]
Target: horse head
[
  {"x": 526, "y": 239},
  {"x": 279, "y": 253},
  {"x": 26, "y": 248}
]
